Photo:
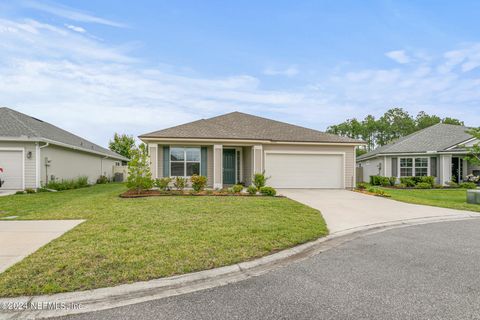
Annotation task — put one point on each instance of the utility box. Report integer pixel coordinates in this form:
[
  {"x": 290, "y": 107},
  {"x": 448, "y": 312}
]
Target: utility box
[{"x": 473, "y": 196}]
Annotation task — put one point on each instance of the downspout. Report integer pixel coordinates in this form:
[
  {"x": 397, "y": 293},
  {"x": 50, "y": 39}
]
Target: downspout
[{"x": 40, "y": 161}]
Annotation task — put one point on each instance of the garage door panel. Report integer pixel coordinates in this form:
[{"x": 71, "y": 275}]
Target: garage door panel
[
  {"x": 294, "y": 170},
  {"x": 11, "y": 162}
]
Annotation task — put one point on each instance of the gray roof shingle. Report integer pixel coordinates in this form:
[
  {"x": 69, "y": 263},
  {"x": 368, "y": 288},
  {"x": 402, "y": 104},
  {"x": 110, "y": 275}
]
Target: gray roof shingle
[
  {"x": 14, "y": 124},
  {"x": 242, "y": 126},
  {"x": 436, "y": 138}
]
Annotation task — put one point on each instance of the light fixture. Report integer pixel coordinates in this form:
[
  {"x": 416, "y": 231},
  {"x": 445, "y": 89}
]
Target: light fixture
[{"x": 29, "y": 155}]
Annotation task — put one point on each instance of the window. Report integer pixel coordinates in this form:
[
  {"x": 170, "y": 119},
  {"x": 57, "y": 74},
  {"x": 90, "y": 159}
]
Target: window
[
  {"x": 421, "y": 167},
  {"x": 406, "y": 167},
  {"x": 184, "y": 162},
  {"x": 413, "y": 167}
]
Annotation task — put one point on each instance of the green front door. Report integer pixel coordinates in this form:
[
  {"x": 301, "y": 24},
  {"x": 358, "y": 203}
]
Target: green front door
[{"x": 228, "y": 166}]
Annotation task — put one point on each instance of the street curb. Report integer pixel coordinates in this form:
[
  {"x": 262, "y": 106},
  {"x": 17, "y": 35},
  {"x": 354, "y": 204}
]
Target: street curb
[{"x": 126, "y": 294}]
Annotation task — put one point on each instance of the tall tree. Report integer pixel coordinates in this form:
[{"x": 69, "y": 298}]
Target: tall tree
[
  {"x": 122, "y": 144},
  {"x": 453, "y": 121},
  {"x": 473, "y": 156},
  {"x": 424, "y": 120}
]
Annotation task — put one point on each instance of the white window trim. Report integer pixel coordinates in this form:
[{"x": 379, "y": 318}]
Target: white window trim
[
  {"x": 399, "y": 174},
  {"x": 185, "y": 160}
]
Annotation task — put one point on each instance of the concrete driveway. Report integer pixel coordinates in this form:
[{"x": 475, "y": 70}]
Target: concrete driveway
[
  {"x": 18, "y": 239},
  {"x": 345, "y": 210}
]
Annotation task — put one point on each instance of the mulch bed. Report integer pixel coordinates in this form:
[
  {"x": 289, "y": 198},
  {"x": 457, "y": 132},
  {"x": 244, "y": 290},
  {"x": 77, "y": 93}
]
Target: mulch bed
[{"x": 157, "y": 193}]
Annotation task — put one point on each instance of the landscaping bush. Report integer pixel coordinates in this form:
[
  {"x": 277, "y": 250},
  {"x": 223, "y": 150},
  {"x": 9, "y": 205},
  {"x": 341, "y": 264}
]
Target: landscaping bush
[
  {"x": 28, "y": 190},
  {"x": 362, "y": 186},
  {"x": 102, "y": 180},
  {"x": 379, "y": 181},
  {"x": 237, "y": 188},
  {"x": 268, "y": 191},
  {"x": 378, "y": 192},
  {"x": 68, "y": 184},
  {"x": 408, "y": 181},
  {"x": 427, "y": 179},
  {"x": 252, "y": 190},
  {"x": 437, "y": 186},
  {"x": 423, "y": 185},
  {"x": 259, "y": 180},
  {"x": 452, "y": 184},
  {"x": 401, "y": 186},
  {"x": 393, "y": 181},
  {"x": 179, "y": 183},
  {"x": 162, "y": 183},
  {"x": 139, "y": 174},
  {"x": 198, "y": 182},
  {"x": 468, "y": 185}
]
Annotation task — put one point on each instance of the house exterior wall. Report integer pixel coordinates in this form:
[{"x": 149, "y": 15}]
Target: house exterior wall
[
  {"x": 371, "y": 167},
  {"x": 471, "y": 168},
  {"x": 247, "y": 165},
  {"x": 159, "y": 161},
  {"x": 30, "y": 165},
  {"x": 349, "y": 152},
  {"x": 70, "y": 164},
  {"x": 210, "y": 166},
  {"x": 153, "y": 153}
]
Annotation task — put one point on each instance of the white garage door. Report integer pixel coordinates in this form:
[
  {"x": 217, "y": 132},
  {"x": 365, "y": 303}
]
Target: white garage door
[
  {"x": 12, "y": 164},
  {"x": 295, "y": 170}
]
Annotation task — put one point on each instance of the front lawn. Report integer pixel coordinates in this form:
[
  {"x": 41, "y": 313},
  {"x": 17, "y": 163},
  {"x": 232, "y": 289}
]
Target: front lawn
[
  {"x": 447, "y": 198},
  {"x": 128, "y": 240}
]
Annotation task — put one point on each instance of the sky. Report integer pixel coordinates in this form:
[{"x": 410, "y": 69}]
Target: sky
[{"x": 99, "y": 67}]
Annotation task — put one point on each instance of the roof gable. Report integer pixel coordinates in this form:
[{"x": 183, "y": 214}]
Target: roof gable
[
  {"x": 15, "y": 124},
  {"x": 242, "y": 126}
]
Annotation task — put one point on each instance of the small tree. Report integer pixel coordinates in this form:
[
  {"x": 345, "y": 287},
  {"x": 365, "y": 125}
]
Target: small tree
[
  {"x": 139, "y": 174},
  {"x": 122, "y": 144},
  {"x": 473, "y": 155},
  {"x": 259, "y": 180}
]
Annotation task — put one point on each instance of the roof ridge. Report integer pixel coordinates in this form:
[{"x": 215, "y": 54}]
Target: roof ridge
[{"x": 13, "y": 113}]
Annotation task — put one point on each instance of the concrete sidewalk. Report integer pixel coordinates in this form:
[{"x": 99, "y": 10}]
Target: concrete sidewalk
[
  {"x": 345, "y": 210},
  {"x": 18, "y": 239}
]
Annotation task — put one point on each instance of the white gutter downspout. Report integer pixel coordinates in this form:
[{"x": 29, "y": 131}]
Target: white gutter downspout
[{"x": 39, "y": 161}]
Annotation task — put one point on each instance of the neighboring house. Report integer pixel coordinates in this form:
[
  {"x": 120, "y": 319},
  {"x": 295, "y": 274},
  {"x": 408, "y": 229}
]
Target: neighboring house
[
  {"x": 437, "y": 151},
  {"x": 230, "y": 148},
  {"x": 33, "y": 152}
]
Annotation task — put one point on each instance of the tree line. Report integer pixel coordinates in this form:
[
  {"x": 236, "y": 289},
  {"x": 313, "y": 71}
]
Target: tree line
[{"x": 393, "y": 124}]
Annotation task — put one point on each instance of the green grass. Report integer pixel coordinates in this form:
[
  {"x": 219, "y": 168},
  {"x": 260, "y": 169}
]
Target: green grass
[
  {"x": 446, "y": 198},
  {"x": 128, "y": 240}
]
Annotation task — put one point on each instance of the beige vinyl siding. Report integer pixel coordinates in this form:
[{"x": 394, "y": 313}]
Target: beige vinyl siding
[
  {"x": 30, "y": 164},
  {"x": 160, "y": 161},
  {"x": 247, "y": 165},
  {"x": 153, "y": 160},
  {"x": 370, "y": 167},
  {"x": 348, "y": 150},
  {"x": 70, "y": 164}
]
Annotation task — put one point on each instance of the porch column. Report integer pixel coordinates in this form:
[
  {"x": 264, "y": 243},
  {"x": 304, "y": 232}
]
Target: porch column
[
  {"x": 257, "y": 152},
  {"x": 153, "y": 154},
  {"x": 445, "y": 168},
  {"x": 217, "y": 166}
]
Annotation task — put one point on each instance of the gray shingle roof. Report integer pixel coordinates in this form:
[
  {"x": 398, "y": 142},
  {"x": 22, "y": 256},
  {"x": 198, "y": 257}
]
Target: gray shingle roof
[
  {"x": 14, "y": 124},
  {"x": 242, "y": 126},
  {"x": 436, "y": 138}
]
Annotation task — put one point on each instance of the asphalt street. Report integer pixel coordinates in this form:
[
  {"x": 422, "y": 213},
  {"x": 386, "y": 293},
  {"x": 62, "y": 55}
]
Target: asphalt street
[{"x": 429, "y": 271}]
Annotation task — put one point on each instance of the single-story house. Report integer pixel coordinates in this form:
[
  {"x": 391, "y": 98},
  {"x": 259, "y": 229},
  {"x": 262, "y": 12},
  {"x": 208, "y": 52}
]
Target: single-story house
[
  {"x": 231, "y": 148},
  {"x": 437, "y": 151},
  {"x": 33, "y": 152}
]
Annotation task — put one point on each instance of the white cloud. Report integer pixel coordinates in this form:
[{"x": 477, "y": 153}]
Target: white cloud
[
  {"x": 289, "y": 71},
  {"x": 75, "y": 28},
  {"x": 71, "y": 14},
  {"x": 399, "y": 56}
]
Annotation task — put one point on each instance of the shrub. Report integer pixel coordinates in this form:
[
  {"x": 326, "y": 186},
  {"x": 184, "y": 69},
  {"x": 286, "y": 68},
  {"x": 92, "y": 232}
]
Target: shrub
[
  {"x": 28, "y": 190},
  {"x": 259, "y": 180},
  {"x": 268, "y": 191},
  {"x": 102, "y": 180},
  {"x": 237, "y": 188},
  {"x": 139, "y": 174},
  {"x": 198, "y": 182},
  {"x": 179, "y": 183},
  {"x": 379, "y": 181},
  {"x": 427, "y": 179},
  {"x": 377, "y": 191},
  {"x": 385, "y": 182},
  {"x": 392, "y": 180},
  {"x": 362, "y": 186},
  {"x": 401, "y": 186},
  {"x": 468, "y": 185},
  {"x": 252, "y": 190},
  {"x": 408, "y": 181},
  {"x": 452, "y": 184},
  {"x": 423, "y": 185},
  {"x": 162, "y": 183},
  {"x": 437, "y": 186},
  {"x": 68, "y": 184}
]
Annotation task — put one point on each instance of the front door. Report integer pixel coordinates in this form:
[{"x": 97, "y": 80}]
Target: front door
[
  {"x": 457, "y": 169},
  {"x": 228, "y": 166}
]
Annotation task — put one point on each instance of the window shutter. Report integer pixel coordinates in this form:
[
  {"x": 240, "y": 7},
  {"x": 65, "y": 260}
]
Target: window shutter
[
  {"x": 166, "y": 161},
  {"x": 203, "y": 166},
  {"x": 394, "y": 167},
  {"x": 433, "y": 166}
]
